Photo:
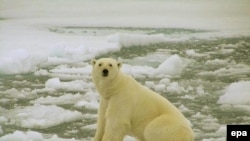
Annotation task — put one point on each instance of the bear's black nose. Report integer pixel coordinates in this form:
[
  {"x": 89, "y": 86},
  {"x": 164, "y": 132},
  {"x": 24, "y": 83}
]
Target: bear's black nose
[{"x": 105, "y": 72}]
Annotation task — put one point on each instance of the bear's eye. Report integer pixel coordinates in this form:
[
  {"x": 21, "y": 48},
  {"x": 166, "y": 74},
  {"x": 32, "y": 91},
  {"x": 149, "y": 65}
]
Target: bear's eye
[
  {"x": 100, "y": 64},
  {"x": 110, "y": 65}
]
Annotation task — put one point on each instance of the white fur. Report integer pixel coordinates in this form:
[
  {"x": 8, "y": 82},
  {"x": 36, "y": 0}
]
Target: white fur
[{"x": 128, "y": 108}]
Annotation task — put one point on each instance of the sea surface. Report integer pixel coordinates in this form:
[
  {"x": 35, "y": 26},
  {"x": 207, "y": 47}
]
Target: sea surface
[{"x": 211, "y": 63}]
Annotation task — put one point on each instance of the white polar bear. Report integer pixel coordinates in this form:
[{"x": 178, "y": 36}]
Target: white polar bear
[{"x": 128, "y": 108}]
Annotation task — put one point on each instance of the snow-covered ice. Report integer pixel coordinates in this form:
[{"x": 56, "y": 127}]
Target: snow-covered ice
[
  {"x": 41, "y": 116},
  {"x": 61, "y": 100},
  {"x": 76, "y": 85}
]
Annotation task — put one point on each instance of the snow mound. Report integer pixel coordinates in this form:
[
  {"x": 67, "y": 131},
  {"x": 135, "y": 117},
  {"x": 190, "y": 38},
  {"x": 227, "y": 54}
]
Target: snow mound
[
  {"x": 41, "y": 117},
  {"x": 236, "y": 93},
  {"x": 172, "y": 66},
  {"x": 129, "y": 40}
]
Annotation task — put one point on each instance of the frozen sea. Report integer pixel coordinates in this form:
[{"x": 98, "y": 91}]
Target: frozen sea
[{"x": 196, "y": 54}]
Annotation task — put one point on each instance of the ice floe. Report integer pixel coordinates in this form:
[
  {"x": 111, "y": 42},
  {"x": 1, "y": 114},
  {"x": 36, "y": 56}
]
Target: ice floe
[
  {"x": 129, "y": 40},
  {"x": 41, "y": 116},
  {"x": 76, "y": 85},
  {"x": 31, "y": 136},
  {"x": 171, "y": 66},
  {"x": 236, "y": 93},
  {"x": 61, "y": 100}
]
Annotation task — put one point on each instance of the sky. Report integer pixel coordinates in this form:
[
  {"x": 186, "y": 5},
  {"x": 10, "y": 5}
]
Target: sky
[{"x": 198, "y": 14}]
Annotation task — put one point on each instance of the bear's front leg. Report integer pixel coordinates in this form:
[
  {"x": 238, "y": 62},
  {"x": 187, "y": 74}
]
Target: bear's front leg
[
  {"x": 115, "y": 130},
  {"x": 101, "y": 121}
]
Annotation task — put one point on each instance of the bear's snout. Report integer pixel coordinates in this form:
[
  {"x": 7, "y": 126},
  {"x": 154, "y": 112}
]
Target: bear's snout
[{"x": 105, "y": 72}]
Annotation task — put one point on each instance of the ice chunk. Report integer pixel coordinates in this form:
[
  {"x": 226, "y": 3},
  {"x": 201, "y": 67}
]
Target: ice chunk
[
  {"x": 30, "y": 136},
  {"x": 200, "y": 90},
  {"x": 90, "y": 101},
  {"x": 239, "y": 69},
  {"x": 56, "y": 138},
  {"x": 184, "y": 109},
  {"x": 19, "y": 61},
  {"x": 215, "y": 139},
  {"x": 1, "y": 130},
  {"x": 61, "y": 100},
  {"x": 160, "y": 87},
  {"x": 76, "y": 85},
  {"x": 192, "y": 53},
  {"x": 171, "y": 66},
  {"x": 175, "y": 88},
  {"x": 216, "y": 62},
  {"x": 41, "y": 117},
  {"x": 41, "y": 72},
  {"x": 3, "y": 120},
  {"x": 19, "y": 94},
  {"x": 137, "y": 71},
  {"x": 87, "y": 105},
  {"x": 236, "y": 93},
  {"x": 54, "y": 83},
  {"x": 22, "y": 136},
  {"x": 61, "y": 50},
  {"x": 89, "y": 127},
  {"x": 129, "y": 40},
  {"x": 164, "y": 81},
  {"x": 129, "y": 138},
  {"x": 149, "y": 84}
]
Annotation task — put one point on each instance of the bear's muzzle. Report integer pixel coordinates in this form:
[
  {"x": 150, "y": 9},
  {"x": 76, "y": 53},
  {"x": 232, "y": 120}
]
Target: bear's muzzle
[{"x": 105, "y": 73}]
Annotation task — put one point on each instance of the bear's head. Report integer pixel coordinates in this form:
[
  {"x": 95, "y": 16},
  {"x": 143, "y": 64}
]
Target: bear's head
[{"x": 105, "y": 68}]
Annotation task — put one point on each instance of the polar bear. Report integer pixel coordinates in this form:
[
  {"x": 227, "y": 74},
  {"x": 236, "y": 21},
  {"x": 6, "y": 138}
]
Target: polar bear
[{"x": 128, "y": 108}]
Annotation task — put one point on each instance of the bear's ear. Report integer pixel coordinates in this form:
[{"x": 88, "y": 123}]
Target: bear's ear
[
  {"x": 93, "y": 61},
  {"x": 119, "y": 64}
]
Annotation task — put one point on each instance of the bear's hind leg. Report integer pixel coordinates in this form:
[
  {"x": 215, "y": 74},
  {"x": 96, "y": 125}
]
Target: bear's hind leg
[{"x": 166, "y": 128}]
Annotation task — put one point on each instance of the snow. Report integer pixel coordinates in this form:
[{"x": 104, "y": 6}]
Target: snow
[
  {"x": 236, "y": 93},
  {"x": 41, "y": 116}
]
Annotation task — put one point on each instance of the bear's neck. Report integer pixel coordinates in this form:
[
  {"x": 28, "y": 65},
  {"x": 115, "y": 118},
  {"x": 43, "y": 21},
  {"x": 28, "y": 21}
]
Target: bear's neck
[{"x": 110, "y": 87}]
